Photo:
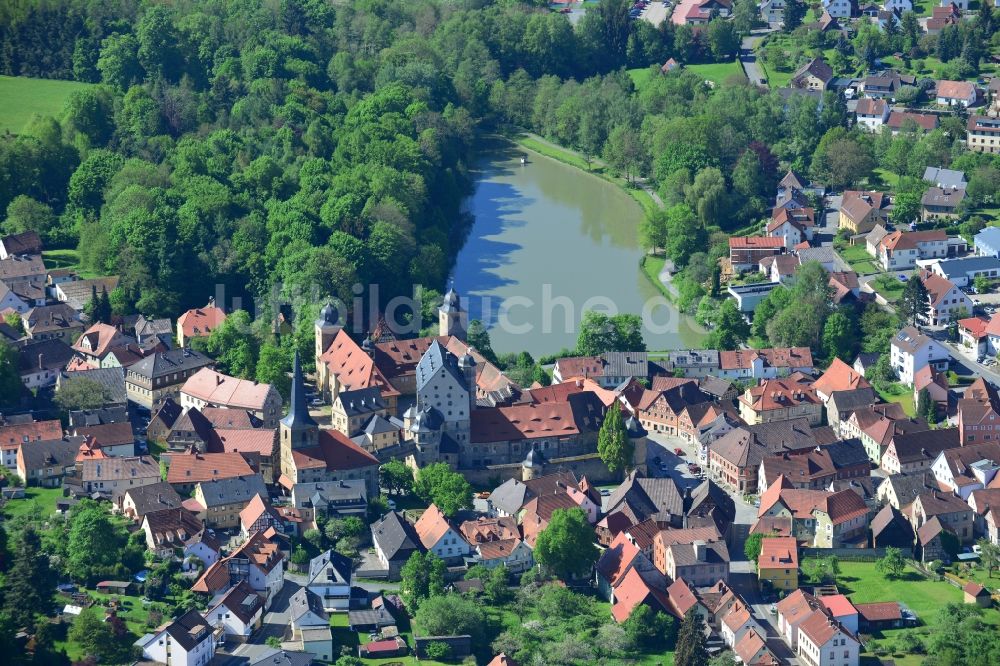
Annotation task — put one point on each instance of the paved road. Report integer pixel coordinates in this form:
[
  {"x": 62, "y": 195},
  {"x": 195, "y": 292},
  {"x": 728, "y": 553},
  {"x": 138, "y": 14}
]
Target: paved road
[{"x": 749, "y": 59}]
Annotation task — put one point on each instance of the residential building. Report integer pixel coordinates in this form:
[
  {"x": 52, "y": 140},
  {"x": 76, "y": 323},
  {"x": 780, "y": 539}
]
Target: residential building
[
  {"x": 791, "y": 612},
  {"x": 911, "y": 350},
  {"x": 815, "y": 469},
  {"x": 199, "y": 322},
  {"x": 96, "y": 343},
  {"x": 514, "y": 554},
  {"x": 941, "y": 203},
  {"x": 825, "y": 642},
  {"x": 954, "y": 515},
  {"x": 983, "y": 134},
  {"x": 330, "y": 576},
  {"x": 746, "y": 252},
  {"x": 185, "y": 470},
  {"x": 794, "y": 225},
  {"x": 115, "y": 475},
  {"x": 872, "y": 113},
  {"x": 52, "y": 322},
  {"x": 699, "y": 563},
  {"x": 781, "y": 400},
  {"x": 735, "y": 458},
  {"x": 187, "y": 641},
  {"x": 816, "y": 74},
  {"x": 26, "y": 242},
  {"x": 136, "y": 501},
  {"x": 964, "y": 271},
  {"x": 352, "y": 409},
  {"x": 310, "y": 625},
  {"x": 909, "y": 122},
  {"x": 900, "y": 250},
  {"x": 885, "y": 85},
  {"x": 899, "y": 490},
  {"x": 916, "y": 451},
  {"x": 439, "y": 536},
  {"x": 696, "y": 363},
  {"x": 39, "y": 363},
  {"x": 764, "y": 363},
  {"x": 861, "y": 211},
  {"x": 778, "y": 564},
  {"x": 609, "y": 369},
  {"x": 161, "y": 374},
  {"x": 168, "y": 530},
  {"x": 208, "y": 388},
  {"x": 955, "y": 93},
  {"x": 772, "y": 12},
  {"x": 221, "y": 501},
  {"x": 948, "y": 303},
  {"x": 238, "y": 612},
  {"x": 945, "y": 178},
  {"x": 46, "y": 462},
  {"x": 964, "y": 469},
  {"x": 14, "y": 433},
  {"x": 979, "y": 413},
  {"x": 257, "y": 561},
  {"x": 395, "y": 540}
]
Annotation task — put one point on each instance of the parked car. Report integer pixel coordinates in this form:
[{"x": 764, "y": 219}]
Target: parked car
[{"x": 679, "y": 451}]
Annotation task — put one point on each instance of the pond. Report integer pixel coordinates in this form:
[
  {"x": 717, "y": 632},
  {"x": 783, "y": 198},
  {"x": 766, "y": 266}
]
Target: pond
[{"x": 548, "y": 242}]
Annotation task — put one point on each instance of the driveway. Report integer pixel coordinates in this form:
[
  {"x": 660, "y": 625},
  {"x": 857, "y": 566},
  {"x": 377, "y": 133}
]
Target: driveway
[
  {"x": 276, "y": 620},
  {"x": 748, "y": 58}
]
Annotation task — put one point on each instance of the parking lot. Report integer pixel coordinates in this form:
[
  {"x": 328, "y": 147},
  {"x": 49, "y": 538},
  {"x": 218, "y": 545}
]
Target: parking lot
[{"x": 656, "y": 12}]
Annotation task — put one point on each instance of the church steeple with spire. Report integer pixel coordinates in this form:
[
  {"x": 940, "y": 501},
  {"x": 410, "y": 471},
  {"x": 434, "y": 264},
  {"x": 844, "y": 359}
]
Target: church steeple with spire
[
  {"x": 298, "y": 429},
  {"x": 452, "y": 319}
]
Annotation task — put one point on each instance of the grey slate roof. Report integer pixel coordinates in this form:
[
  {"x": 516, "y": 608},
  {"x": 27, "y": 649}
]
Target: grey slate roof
[
  {"x": 953, "y": 268},
  {"x": 298, "y": 417},
  {"x": 306, "y": 608},
  {"x": 237, "y": 489},
  {"x": 362, "y": 401},
  {"x": 659, "y": 499},
  {"x": 189, "y": 630},
  {"x": 54, "y": 453},
  {"x": 847, "y": 452},
  {"x": 626, "y": 364},
  {"x": 162, "y": 364},
  {"x": 111, "y": 378},
  {"x": 945, "y": 177},
  {"x": 435, "y": 358},
  {"x": 906, "y": 487},
  {"x": 330, "y": 567},
  {"x": 395, "y": 536},
  {"x": 93, "y": 417},
  {"x": 276, "y": 657},
  {"x": 44, "y": 355},
  {"x": 846, "y": 401},
  {"x": 152, "y": 497},
  {"x": 379, "y": 424},
  {"x": 510, "y": 495}
]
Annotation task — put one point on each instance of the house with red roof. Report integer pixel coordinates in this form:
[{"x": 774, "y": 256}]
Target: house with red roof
[
  {"x": 825, "y": 642},
  {"x": 635, "y": 588},
  {"x": 746, "y": 252},
  {"x": 752, "y": 649},
  {"x": 208, "y": 388},
  {"x": 778, "y": 563},
  {"x": 840, "y": 608},
  {"x": 199, "y": 322},
  {"x": 781, "y": 400},
  {"x": 955, "y": 93},
  {"x": 439, "y": 536}
]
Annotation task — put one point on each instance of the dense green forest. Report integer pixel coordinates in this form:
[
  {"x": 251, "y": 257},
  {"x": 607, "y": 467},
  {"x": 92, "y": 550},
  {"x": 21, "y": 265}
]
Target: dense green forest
[{"x": 309, "y": 145}]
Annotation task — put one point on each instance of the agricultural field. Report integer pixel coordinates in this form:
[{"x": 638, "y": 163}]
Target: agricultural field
[{"x": 24, "y": 98}]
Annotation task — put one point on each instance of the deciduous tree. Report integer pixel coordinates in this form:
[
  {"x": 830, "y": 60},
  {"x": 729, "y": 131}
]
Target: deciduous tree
[{"x": 566, "y": 545}]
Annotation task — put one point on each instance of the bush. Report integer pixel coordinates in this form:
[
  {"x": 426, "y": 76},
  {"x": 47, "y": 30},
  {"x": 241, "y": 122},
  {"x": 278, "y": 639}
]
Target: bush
[{"x": 438, "y": 650}]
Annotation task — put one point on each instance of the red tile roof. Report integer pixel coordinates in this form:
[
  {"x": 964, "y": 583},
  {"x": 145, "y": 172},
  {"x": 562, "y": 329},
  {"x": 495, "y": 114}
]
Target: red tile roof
[
  {"x": 838, "y": 605},
  {"x": 191, "y": 468},
  {"x": 840, "y": 377},
  {"x": 881, "y": 611},
  {"x": 755, "y": 242},
  {"x": 778, "y": 553},
  {"x": 201, "y": 321}
]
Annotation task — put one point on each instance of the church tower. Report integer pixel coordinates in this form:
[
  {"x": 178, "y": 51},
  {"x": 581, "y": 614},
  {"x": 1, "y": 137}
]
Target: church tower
[
  {"x": 297, "y": 430},
  {"x": 452, "y": 319},
  {"x": 326, "y": 328}
]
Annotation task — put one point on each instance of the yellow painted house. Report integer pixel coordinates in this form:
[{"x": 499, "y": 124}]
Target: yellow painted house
[{"x": 778, "y": 563}]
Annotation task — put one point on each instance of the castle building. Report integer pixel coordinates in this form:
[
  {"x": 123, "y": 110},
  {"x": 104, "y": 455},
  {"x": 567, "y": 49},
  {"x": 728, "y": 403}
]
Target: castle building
[
  {"x": 312, "y": 455},
  {"x": 452, "y": 319}
]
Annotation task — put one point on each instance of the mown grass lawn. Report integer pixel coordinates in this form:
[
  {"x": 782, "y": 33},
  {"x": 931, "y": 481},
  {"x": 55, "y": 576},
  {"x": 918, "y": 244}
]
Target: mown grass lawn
[
  {"x": 640, "y": 77},
  {"x": 859, "y": 259},
  {"x": 66, "y": 258},
  {"x": 718, "y": 72},
  {"x": 900, "y": 395},
  {"x": 888, "y": 286},
  {"x": 24, "y": 97},
  {"x": 863, "y": 584},
  {"x": 37, "y": 501}
]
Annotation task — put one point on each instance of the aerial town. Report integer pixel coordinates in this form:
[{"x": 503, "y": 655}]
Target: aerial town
[{"x": 224, "y": 441}]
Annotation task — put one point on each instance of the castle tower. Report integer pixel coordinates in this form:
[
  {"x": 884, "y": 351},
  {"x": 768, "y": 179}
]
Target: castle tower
[
  {"x": 426, "y": 434},
  {"x": 467, "y": 366},
  {"x": 533, "y": 465},
  {"x": 452, "y": 319},
  {"x": 640, "y": 442},
  {"x": 297, "y": 430},
  {"x": 326, "y": 328}
]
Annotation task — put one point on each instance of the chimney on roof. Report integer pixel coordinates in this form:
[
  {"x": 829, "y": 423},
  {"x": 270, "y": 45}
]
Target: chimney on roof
[{"x": 218, "y": 380}]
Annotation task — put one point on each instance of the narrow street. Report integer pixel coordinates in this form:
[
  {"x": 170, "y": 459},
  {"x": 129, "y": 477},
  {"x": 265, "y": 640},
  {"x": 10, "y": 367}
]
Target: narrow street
[
  {"x": 749, "y": 59},
  {"x": 742, "y": 573}
]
